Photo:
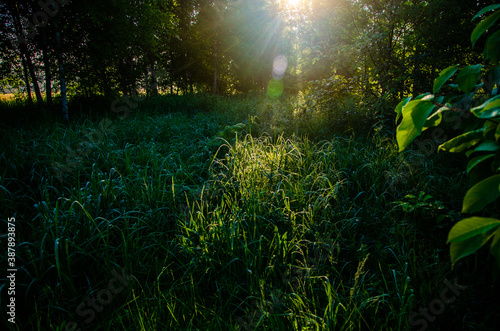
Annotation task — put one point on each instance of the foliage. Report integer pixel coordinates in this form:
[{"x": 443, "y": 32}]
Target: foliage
[
  {"x": 424, "y": 204},
  {"x": 270, "y": 231},
  {"x": 479, "y": 140},
  {"x": 235, "y": 211},
  {"x": 383, "y": 50}
]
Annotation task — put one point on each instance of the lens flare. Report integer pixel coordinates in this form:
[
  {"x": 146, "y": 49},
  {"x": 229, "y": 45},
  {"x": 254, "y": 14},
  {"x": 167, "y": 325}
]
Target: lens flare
[
  {"x": 275, "y": 88},
  {"x": 279, "y": 66}
]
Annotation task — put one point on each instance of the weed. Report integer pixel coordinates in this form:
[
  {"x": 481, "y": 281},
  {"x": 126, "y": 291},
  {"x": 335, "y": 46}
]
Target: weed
[{"x": 275, "y": 227}]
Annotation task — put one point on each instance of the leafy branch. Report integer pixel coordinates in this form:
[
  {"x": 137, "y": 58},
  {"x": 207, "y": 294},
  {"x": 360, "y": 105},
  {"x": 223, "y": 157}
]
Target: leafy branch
[
  {"x": 458, "y": 110},
  {"x": 481, "y": 138}
]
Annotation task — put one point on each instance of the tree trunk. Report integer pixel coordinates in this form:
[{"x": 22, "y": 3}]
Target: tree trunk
[
  {"x": 416, "y": 71},
  {"x": 215, "y": 62},
  {"x": 27, "y": 80},
  {"x": 62, "y": 77},
  {"x": 25, "y": 54},
  {"x": 154, "y": 80},
  {"x": 34, "y": 80},
  {"x": 148, "y": 89},
  {"x": 46, "y": 64}
]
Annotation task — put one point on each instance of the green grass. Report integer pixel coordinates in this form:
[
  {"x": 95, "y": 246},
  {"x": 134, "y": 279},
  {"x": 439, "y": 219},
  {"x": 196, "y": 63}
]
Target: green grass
[{"x": 227, "y": 227}]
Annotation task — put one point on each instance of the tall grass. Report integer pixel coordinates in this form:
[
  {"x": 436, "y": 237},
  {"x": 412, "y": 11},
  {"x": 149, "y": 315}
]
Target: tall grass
[{"x": 267, "y": 227}]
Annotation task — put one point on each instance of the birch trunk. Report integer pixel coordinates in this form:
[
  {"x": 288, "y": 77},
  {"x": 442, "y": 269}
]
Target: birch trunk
[
  {"x": 62, "y": 77},
  {"x": 154, "y": 80},
  {"x": 27, "y": 80},
  {"x": 215, "y": 62},
  {"x": 48, "y": 74},
  {"x": 26, "y": 55}
]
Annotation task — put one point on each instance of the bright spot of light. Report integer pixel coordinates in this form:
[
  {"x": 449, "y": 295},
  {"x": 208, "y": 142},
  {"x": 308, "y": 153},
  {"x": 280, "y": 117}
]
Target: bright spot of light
[
  {"x": 279, "y": 66},
  {"x": 292, "y": 3},
  {"x": 275, "y": 86}
]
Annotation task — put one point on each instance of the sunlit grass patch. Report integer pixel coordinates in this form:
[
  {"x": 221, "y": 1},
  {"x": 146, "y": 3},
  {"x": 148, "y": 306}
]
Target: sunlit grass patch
[
  {"x": 6, "y": 97},
  {"x": 221, "y": 228}
]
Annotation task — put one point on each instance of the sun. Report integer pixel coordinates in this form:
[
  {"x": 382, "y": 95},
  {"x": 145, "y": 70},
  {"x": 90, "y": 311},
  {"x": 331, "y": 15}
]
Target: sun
[{"x": 292, "y": 3}]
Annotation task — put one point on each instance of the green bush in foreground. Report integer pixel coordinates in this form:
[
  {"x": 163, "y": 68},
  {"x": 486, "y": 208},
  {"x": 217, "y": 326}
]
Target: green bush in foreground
[{"x": 480, "y": 140}]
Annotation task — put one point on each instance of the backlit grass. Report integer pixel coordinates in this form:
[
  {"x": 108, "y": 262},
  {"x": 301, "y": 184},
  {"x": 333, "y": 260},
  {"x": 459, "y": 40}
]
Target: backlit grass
[
  {"x": 226, "y": 228},
  {"x": 6, "y": 96}
]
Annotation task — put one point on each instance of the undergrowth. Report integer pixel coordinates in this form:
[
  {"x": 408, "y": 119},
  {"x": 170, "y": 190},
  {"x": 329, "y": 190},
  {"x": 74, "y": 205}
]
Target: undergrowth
[{"x": 204, "y": 224}]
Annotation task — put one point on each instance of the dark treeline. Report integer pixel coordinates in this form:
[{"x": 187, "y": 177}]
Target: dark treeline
[{"x": 378, "y": 50}]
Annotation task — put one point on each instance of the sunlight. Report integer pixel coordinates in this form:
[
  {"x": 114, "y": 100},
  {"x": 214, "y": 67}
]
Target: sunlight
[
  {"x": 292, "y": 3},
  {"x": 295, "y": 8}
]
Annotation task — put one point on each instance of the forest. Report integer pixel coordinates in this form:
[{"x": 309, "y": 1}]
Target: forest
[{"x": 250, "y": 165}]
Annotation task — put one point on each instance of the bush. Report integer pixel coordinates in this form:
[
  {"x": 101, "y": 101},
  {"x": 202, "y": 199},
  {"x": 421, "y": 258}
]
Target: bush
[{"x": 478, "y": 106}]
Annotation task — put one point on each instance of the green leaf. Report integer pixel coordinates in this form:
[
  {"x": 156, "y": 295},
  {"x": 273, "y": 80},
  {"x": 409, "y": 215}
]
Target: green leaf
[
  {"x": 492, "y": 47},
  {"x": 487, "y": 146},
  {"x": 491, "y": 78},
  {"x": 400, "y": 106},
  {"x": 415, "y": 115},
  {"x": 464, "y": 248},
  {"x": 485, "y": 10},
  {"x": 483, "y": 26},
  {"x": 497, "y": 133},
  {"x": 478, "y": 159},
  {"x": 481, "y": 194},
  {"x": 434, "y": 120},
  {"x": 425, "y": 96},
  {"x": 471, "y": 227},
  {"x": 57, "y": 256},
  {"x": 462, "y": 142},
  {"x": 443, "y": 77},
  {"x": 495, "y": 246},
  {"x": 467, "y": 78},
  {"x": 489, "y": 126},
  {"x": 490, "y": 108}
]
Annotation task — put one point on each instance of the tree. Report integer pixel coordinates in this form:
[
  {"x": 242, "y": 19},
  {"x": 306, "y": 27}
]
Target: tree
[{"x": 15, "y": 12}]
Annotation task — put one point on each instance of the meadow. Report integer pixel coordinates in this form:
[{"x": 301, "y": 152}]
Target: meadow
[{"x": 233, "y": 213}]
